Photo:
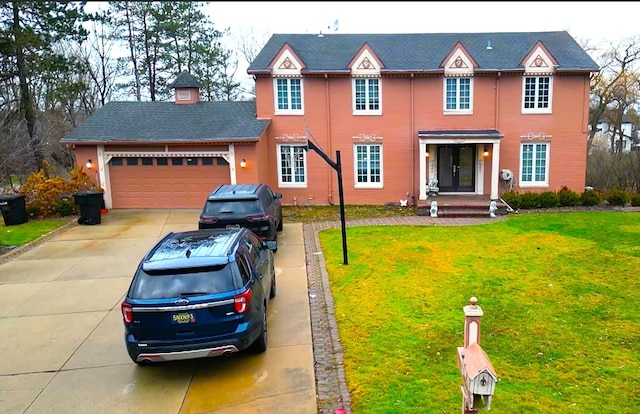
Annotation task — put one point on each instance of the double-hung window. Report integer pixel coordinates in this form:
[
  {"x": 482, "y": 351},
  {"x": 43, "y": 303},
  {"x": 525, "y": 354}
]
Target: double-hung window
[
  {"x": 534, "y": 159},
  {"x": 366, "y": 96},
  {"x": 458, "y": 95},
  {"x": 368, "y": 165},
  {"x": 292, "y": 166},
  {"x": 288, "y": 96},
  {"x": 537, "y": 94}
]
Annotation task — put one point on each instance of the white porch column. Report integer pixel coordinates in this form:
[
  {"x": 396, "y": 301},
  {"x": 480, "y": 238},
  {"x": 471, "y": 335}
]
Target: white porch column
[
  {"x": 422, "y": 153},
  {"x": 103, "y": 176},
  {"x": 495, "y": 170},
  {"x": 232, "y": 164}
]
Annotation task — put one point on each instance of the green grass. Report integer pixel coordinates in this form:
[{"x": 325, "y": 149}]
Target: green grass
[
  {"x": 308, "y": 214},
  {"x": 20, "y": 234},
  {"x": 559, "y": 292}
]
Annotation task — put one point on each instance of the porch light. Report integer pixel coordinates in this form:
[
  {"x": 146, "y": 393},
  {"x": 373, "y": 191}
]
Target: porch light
[
  {"x": 486, "y": 152},
  {"x": 427, "y": 154},
  {"x": 88, "y": 164},
  {"x": 243, "y": 163}
]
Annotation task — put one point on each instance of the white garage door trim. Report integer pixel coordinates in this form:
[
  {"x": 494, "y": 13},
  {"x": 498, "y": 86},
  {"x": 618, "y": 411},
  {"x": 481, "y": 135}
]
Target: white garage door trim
[{"x": 105, "y": 156}]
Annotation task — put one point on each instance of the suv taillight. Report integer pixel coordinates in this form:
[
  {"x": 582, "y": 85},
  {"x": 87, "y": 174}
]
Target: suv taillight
[
  {"x": 263, "y": 217},
  {"x": 242, "y": 301},
  {"x": 127, "y": 313},
  {"x": 208, "y": 219}
]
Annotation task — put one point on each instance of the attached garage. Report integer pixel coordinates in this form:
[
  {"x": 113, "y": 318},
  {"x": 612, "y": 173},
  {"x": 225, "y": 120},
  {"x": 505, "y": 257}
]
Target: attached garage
[
  {"x": 165, "y": 182},
  {"x": 170, "y": 154}
]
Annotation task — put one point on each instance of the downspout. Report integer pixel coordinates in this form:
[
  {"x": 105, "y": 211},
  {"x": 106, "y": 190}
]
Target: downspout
[
  {"x": 413, "y": 144},
  {"x": 497, "y": 100},
  {"x": 328, "y": 109},
  {"x": 495, "y": 155}
]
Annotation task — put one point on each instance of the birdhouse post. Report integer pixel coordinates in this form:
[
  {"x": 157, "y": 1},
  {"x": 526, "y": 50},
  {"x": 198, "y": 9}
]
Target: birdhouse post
[{"x": 478, "y": 376}]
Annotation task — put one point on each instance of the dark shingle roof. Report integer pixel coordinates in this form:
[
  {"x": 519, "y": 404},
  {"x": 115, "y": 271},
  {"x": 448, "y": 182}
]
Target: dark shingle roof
[
  {"x": 169, "y": 122},
  {"x": 424, "y": 52},
  {"x": 185, "y": 80}
]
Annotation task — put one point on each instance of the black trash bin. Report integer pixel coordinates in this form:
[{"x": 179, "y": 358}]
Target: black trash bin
[
  {"x": 14, "y": 209},
  {"x": 90, "y": 203}
]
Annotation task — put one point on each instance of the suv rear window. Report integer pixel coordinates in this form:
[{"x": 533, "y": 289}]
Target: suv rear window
[
  {"x": 232, "y": 207},
  {"x": 169, "y": 284}
]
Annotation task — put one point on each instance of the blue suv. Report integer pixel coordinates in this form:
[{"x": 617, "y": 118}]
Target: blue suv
[{"x": 200, "y": 293}]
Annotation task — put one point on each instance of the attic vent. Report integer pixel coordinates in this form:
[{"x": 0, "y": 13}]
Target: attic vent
[{"x": 489, "y": 47}]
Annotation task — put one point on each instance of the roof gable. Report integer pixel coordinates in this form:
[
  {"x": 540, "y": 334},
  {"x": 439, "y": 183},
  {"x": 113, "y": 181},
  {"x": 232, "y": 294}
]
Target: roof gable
[
  {"x": 286, "y": 62},
  {"x": 365, "y": 62},
  {"x": 459, "y": 62},
  {"x": 539, "y": 60}
]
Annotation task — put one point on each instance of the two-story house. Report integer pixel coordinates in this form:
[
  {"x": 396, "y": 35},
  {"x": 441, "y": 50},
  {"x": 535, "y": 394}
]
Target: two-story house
[
  {"x": 480, "y": 112},
  {"x": 608, "y": 136}
]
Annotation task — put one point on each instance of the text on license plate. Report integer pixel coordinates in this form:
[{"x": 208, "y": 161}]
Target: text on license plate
[
  {"x": 184, "y": 317},
  {"x": 233, "y": 226}
]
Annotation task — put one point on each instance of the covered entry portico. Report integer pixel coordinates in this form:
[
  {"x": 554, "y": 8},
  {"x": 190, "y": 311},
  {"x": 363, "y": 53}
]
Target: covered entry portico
[{"x": 456, "y": 159}]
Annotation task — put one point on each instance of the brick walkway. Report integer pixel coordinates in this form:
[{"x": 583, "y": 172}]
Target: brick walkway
[{"x": 327, "y": 351}]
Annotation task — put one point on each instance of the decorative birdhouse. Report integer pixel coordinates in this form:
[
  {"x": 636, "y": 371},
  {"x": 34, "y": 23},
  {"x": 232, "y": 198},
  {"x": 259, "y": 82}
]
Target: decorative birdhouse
[{"x": 478, "y": 376}]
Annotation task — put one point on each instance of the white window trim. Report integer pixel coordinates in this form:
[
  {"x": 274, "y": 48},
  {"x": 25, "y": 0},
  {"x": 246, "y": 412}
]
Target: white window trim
[
  {"x": 537, "y": 110},
  {"x": 366, "y": 111},
  {"x": 283, "y": 184},
  {"x": 356, "y": 184},
  {"x": 536, "y": 184},
  {"x": 446, "y": 111},
  {"x": 277, "y": 111},
  {"x": 183, "y": 94}
]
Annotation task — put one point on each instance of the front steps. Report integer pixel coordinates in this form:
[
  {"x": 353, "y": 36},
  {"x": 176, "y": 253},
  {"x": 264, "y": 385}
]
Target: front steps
[{"x": 460, "y": 206}]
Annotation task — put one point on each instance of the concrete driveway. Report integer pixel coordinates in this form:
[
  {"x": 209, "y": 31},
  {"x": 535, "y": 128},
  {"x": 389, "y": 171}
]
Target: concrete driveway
[{"x": 62, "y": 340}]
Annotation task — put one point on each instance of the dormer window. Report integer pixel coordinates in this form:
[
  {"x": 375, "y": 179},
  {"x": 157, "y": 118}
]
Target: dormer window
[
  {"x": 459, "y": 69},
  {"x": 183, "y": 94},
  {"x": 537, "y": 82},
  {"x": 366, "y": 96},
  {"x": 537, "y": 94},
  {"x": 288, "y": 96},
  {"x": 458, "y": 95}
]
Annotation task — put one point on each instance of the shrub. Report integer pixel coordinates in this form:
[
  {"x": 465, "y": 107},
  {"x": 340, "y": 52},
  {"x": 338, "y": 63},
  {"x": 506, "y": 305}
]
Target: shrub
[
  {"x": 66, "y": 208},
  {"x": 529, "y": 200},
  {"x": 43, "y": 193},
  {"x": 512, "y": 199},
  {"x": 635, "y": 200},
  {"x": 617, "y": 197},
  {"x": 568, "y": 198},
  {"x": 548, "y": 199},
  {"x": 590, "y": 198}
]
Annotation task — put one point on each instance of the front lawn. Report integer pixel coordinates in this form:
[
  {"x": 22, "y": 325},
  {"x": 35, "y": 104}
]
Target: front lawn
[
  {"x": 559, "y": 292},
  {"x": 20, "y": 234}
]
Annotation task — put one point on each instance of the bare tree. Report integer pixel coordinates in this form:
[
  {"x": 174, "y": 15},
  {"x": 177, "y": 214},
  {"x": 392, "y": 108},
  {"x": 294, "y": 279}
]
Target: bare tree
[{"x": 614, "y": 90}]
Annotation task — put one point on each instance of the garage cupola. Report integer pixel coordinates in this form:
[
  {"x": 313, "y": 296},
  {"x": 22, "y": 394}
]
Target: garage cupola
[{"x": 187, "y": 89}]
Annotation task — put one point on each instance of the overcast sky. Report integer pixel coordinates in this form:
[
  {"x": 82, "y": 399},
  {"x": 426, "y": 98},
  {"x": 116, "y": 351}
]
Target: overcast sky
[{"x": 599, "y": 21}]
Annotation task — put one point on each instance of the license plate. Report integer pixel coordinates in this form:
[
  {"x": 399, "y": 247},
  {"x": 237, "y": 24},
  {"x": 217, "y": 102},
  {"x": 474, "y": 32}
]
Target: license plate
[
  {"x": 184, "y": 317},
  {"x": 233, "y": 226}
]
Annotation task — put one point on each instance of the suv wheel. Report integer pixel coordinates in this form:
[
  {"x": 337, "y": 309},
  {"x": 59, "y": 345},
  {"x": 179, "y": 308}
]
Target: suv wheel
[
  {"x": 260, "y": 344},
  {"x": 280, "y": 225},
  {"x": 272, "y": 294}
]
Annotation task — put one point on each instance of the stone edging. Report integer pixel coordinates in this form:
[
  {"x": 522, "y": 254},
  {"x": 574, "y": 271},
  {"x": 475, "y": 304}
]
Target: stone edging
[{"x": 35, "y": 243}]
